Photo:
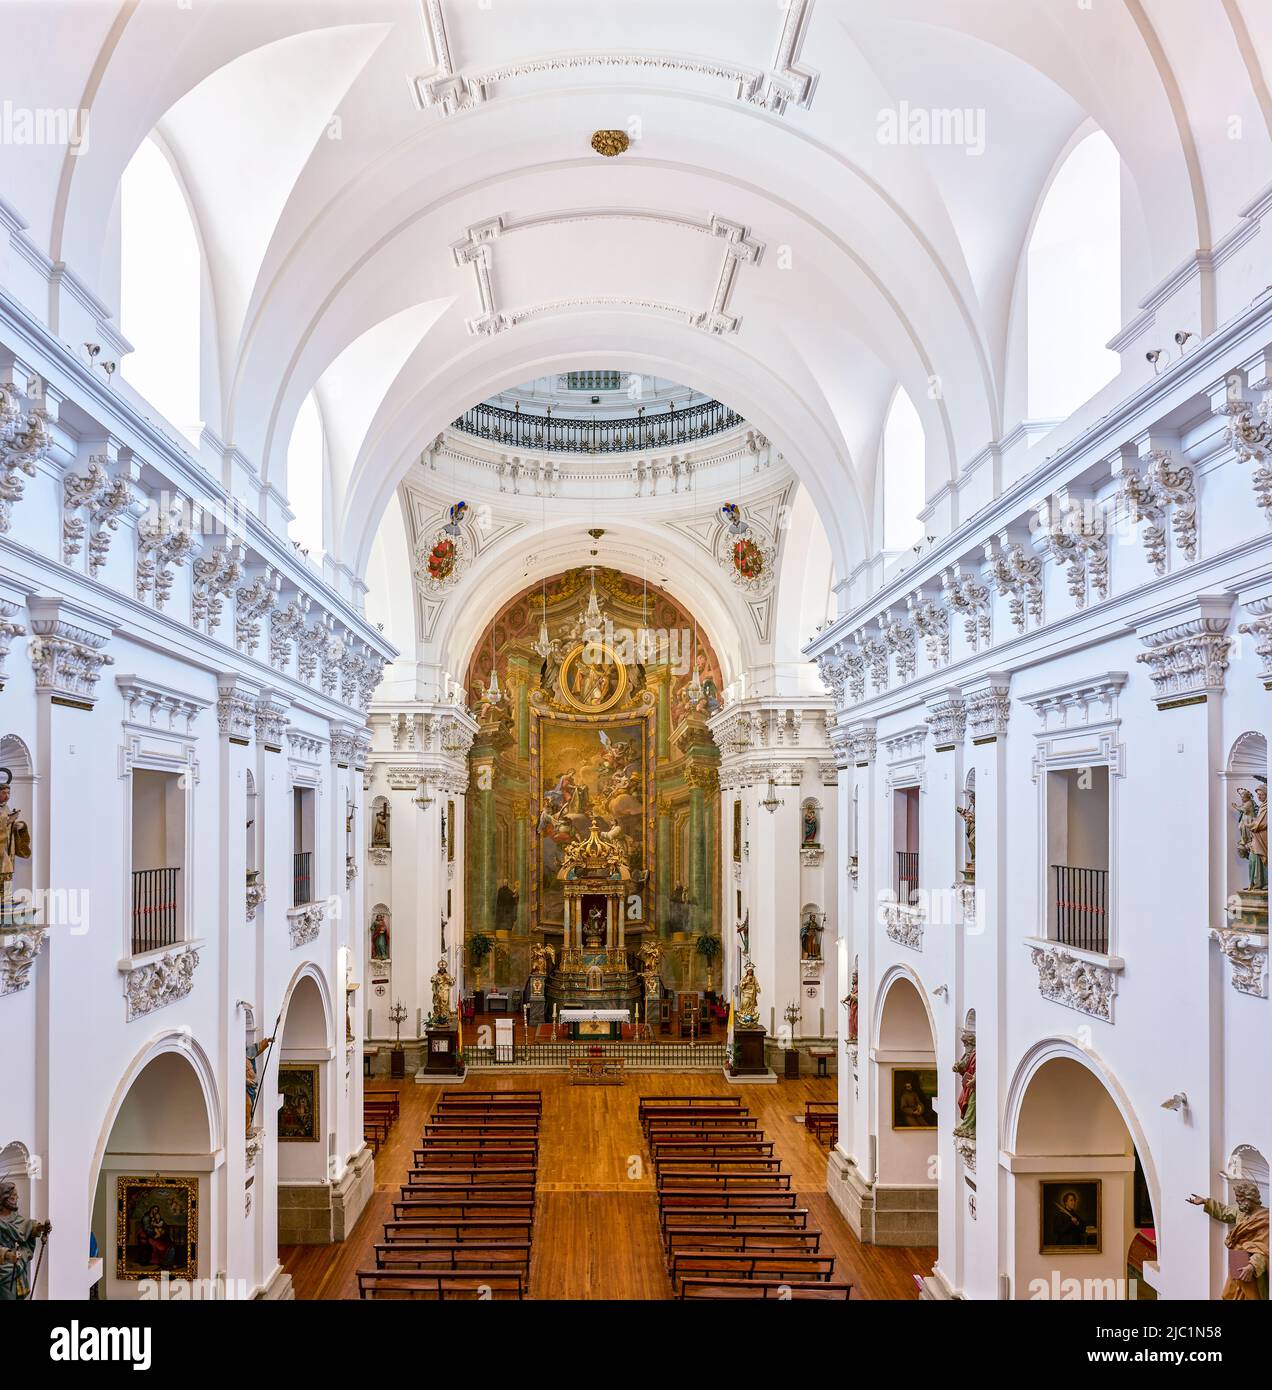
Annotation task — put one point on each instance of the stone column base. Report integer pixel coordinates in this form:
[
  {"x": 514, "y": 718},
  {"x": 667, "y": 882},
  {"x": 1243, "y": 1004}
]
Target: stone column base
[
  {"x": 851, "y": 1193},
  {"x": 304, "y": 1214},
  {"x": 936, "y": 1290},
  {"x": 904, "y": 1215},
  {"x": 277, "y": 1288},
  {"x": 351, "y": 1194}
]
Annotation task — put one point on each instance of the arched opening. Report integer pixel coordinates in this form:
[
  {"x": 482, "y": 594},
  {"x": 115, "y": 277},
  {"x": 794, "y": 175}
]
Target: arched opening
[
  {"x": 160, "y": 285},
  {"x": 901, "y": 465},
  {"x": 1073, "y": 270},
  {"x": 153, "y": 1202},
  {"x": 906, "y": 1121},
  {"x": 1079, "y": 1206},
  {"x": 304, "y": 1118}
]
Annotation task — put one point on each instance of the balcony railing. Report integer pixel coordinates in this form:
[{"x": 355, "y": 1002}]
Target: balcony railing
[
  {"x": 1082, "y": 907},
  {"x": 302, "y": 878},
  {"x": 563, "y": 435},
  {"x": 907, "y": 876},
  {"x": 155, "y": 922}
]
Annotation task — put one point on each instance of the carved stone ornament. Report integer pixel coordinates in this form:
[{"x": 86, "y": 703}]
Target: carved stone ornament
[
  {"x": 1017, "y": 577},
  {"x": 1251, "y": 441},
  {"x": 811, "y": 856},
  {"x": 159, "y": 983},
  {"x": 903, "y": 924},
  {"x": 1166, "y": 489},
  {"x": 1075, "y": 983},
  {"x": 19, "y": 950},
  {"x": 67, "y": 659},
  {"x": 304, "y": 923},
  {"x": 947, "y": 718},
  {"x": 1187, "y": 660},
  {"x": 1247, "y": 953},
  {"x": 255, "y": 897},
  {"x": 969, "y": 598}
]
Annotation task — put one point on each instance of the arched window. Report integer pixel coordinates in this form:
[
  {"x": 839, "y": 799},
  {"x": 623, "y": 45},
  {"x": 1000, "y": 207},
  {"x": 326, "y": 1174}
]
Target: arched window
[
  {"x": 306, "y": 460},
  {"x": 904, "y": 493},
  {"x": 1075, "y": 281},
  {"x": 159, "y": 288}
]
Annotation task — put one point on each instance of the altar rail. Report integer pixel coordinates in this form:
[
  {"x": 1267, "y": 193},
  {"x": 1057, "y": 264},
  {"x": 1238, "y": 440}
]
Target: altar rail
[{"x": 556, "y": 1056}]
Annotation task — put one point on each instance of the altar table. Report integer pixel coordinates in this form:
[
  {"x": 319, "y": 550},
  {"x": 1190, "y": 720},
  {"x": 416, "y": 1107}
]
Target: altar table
[{"x": 595, "y": 1023}]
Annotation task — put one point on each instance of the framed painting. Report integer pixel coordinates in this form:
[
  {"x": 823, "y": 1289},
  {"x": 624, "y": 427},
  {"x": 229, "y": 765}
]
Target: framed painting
[
  {"x": 1069, "y": 1216},
  {"x": 156, "y": 1227},
  {"x": 913, "y": 1091},
  {"x": 298, "y": 1115}
]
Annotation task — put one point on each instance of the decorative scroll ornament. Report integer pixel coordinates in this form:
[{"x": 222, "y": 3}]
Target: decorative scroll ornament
[
  {"x": 898, "y": 641},
  {"x": 931, "y": 622},
  {"x": 304, "y": 924},
  {"x": 1251, "y": 441},
  {"x": 1247, "y": 953},
  {"x": 903, "y": 924},
  {"x": 1017, "y": 577},
  {"x": 747, "y": 557},
  {"x": 159, "y": 983},
  {"x": 215, "y": 576},
  {"x": 1187, "y": 662},
  {"x": 18, "y": 953},
  {"x": 1076, "y": 984},
  {"x": 1078, "y": 541},
  {"x": 24, "y": 439},
  {"x": 969, "y": 598},
  {"x": 105, "y": 499},
  {"x": 441, "y": 561},
  {"x": 165, "y": 541},
  {"x": 1165, "y": 486}
]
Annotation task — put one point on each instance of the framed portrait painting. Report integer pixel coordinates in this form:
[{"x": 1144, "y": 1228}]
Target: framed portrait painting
[
  {"x": 298, "y": 1115},
  {"x": 913, "y": 1091},
  {"x": 156, "y": 1227},
  {"x": 1069, "y": 1216}
]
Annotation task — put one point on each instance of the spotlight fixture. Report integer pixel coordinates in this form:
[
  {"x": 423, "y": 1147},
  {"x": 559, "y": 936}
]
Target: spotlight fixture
[
  {"x": 93, "y": 350},
  {"x": 1181, "y": 338},
  {"x": 108, "y": 368},
  {"x": 1179, "y": 1101},
  {"x": 610, "y": 142},
  {"x": 1154, "y": 356}
]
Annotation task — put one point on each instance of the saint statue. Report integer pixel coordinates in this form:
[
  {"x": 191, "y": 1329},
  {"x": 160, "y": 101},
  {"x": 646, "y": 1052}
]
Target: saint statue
[
  {"x": 18, "y": 1238},
  {"x": 748, "y": 1014},
  {"x": 850, "y": 1001},
  {"x": 254, "y": 1050},
  {"x": 593, "y": 928},
  {"x": 810, "y": 938},
  {"x": 744, "y": 934},
  {"x": 810, "y": 829},
  {"x": 1252, "y": 834},
  {"x": 1248, "y": 1218},
  {"x": 966, "y": 1068},
  {"x": 380, "y": 937},
  {"x": 442, "y": 984},
  {"x": 542, "y": 957},
  {"x": 380, "y": 827},
  {"x": 968, "y": 814},
  {"x": 15, "y": 838}
]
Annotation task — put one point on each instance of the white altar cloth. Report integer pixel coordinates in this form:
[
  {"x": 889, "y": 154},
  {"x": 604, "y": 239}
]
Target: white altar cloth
[{"x": 595, "y": 1015}]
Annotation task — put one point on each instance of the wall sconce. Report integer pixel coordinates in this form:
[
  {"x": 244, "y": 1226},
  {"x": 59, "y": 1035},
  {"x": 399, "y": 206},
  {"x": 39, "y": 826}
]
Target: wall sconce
[{"x": 772, "y": 801}]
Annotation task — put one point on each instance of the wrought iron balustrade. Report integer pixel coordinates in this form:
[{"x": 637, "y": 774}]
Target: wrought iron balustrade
[
  {"x": 1082, "y": 907},
  {"x": 565, "y": 435},
  {"x": 154, "y": 909},
  {"x": 302, "y": 880},
  {"x": 907, "y": 876}
]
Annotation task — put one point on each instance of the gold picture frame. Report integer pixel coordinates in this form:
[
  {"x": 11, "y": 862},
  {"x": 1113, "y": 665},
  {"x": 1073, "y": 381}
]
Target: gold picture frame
[
  {"x": 1070, "y": 1216},
  {"x": 300, "y": 1115},
  {"x": 913, "y": 1091},
  {"x": 582, "y": 685},
  {"x": 156, "y": 1227}
]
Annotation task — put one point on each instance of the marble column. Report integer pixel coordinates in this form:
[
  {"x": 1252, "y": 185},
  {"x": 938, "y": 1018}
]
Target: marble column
[{"x": 663, "y": 878}]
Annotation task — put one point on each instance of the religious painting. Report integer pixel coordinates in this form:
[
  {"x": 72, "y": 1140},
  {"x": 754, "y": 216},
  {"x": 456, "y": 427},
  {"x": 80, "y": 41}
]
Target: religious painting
[
  {"x": 156, "y": 1227},
  {"x": 588, "y": 772},
  {"x": 298, "y": 1115},
  {"x": 737, "y": 831},
  {"x": 1069, "y": 1216},
  {"x": 913, "y": 1091},
  {"x": 450, "y": 839},
  {"x": 593, "y": 679}
]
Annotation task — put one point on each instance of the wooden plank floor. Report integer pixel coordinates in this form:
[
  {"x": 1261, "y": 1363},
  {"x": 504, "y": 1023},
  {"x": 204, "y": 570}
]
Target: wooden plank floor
[{"x": 596, "y": 1224}]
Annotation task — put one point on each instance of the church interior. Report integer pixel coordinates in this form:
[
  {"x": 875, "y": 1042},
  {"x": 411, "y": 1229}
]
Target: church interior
[{"x": 635, "y": 650}]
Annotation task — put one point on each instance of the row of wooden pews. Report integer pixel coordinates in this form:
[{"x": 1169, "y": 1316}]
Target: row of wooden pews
[
  {"x": 380, "y": 1110},
  {"x": 463, "y": 1226},
  {"x": 821, "y": 1119},
  {"x": 731, "y": 1225}
]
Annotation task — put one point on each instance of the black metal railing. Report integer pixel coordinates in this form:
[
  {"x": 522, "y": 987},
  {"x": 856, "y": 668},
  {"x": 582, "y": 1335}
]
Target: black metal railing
[
  {"x": 555, "y": 1056},
  {"x": 302, "y": 878},
  {"x": 907, "y": 875},
  {"x": 154, "y": 909},
  {"x": 1082, "y": 907},
  {"x": 564, "y": 435},
  {"x": 594, "y": 381}
]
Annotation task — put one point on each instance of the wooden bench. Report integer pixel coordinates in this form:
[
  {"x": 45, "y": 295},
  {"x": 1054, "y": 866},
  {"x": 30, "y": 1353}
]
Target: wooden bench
[
  {"x": 707, "y": 1102},
  {"x": 472, "y": 1175},
  {"x": 477, "y": 1144},
  {"x": 595, "y": 1071},
  {"x": 706, "y": 1119},
  {"x": 448, "y": 1154},
  {"x": 455, "y": 1231},
  {"x": 441, "y": 1284},
  {"x": 436, "y": 1207},
  {"x": 699, "y": 1178},
  {"x": 501, "y": 1186},
  {"x": 702, "y": 1148},
  {"x": 732, "y": 1163},
  {"x": 382, "y": 1097},
  {"x": 458, "y": 1100},
  {"x": 491, "y": 1254},
  {"x": 732, "y": 1218},
  {"x": 697, "y": 1287},
  {"x": 463, "y": 1129},
  {"x": 789, "y": 1266},
  {"x": 741, "y": 1125},
  {"x": 722, "y": 1200},
  {"x": 760, "y": 1239},
  {"x": 821, "y": 1119}
]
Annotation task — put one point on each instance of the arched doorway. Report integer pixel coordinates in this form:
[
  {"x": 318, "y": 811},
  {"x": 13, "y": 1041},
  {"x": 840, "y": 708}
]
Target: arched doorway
[
  {"x": 1080, "y": 1213},
  {"x": 906, "y": 1101},
  {"x": 154, "y": 1198},
  {"x": 305, "y": 1117}
]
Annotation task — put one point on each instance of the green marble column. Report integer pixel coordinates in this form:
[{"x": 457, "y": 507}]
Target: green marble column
[
  {"x": 481, "y": 790},
  {"x": 519, "y": 685},
  {"x": 660, "y": 678},
  {"x": 697, "y": 856},
  {"x": 522, "y": 867},
  {"x": 663, "y": 889}
]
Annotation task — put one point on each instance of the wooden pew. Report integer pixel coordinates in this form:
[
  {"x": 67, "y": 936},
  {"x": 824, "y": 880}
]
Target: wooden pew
[
  {"x": 712, "y": 1148},
  {"x": 647, "y": 1103},
  {"x": 491, "y": 1254},
  {"x": 492, "y": 1100},
  {"x": 523, "y": 1156},
  {"x": 760, "y": 1239},
  {"x": 501, "y": 1186},
  {"x": 728, "y": 1163},
  {"x": 732, "y": 1218},
  {"x": 703, "y": 1129},
  {"x": 696, "y": 1288},
  {"x": 381, "y": 1097},
  {"x": 477, "y": 1128},
  {"x": 437, "y": 1206},
  {"x": 724, "y": 1200},
  {"x": 703, "y": 1119},
  {"x": 705, "y": 1179},
  {"x": 788, "y": 1265},
  {"x": 454, "y": 1230},
  {"x": 476, "y": 1143},
  {"x": 821, "y": 1119},
  {"x": 442, "y": 1285}
]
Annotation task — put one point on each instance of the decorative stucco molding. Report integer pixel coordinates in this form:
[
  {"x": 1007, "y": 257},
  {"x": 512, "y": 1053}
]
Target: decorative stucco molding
[
  {"x": 19, "y": 949},
  {"x": 903, "y": 924},
  {"x": 1247, "y": 953},
  {"x": 159, "y": 983},
  {"x": 304, "y": 923},
  {"x": 987, "y": 705},
  {"x": 1076, "y": 979},
  {"x": 1188, "y": 656}
]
